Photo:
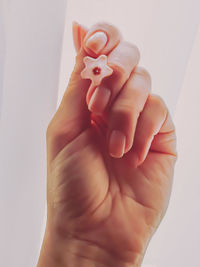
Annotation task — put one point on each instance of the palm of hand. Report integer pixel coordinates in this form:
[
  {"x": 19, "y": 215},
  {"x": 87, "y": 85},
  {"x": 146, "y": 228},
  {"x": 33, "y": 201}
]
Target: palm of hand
[{"x": 106, "y": 201}]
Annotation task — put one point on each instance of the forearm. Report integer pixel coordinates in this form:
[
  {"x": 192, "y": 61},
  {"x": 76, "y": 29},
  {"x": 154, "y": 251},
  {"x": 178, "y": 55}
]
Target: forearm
[{"x": 77, "y": 253}]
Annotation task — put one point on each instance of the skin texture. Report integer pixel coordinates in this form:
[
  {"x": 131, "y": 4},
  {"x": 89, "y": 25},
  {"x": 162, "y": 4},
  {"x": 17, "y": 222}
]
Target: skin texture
[{"x": 104, "y": 208}]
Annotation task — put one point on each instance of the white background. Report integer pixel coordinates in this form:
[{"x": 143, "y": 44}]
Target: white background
[{"x": 36, "y": 59}]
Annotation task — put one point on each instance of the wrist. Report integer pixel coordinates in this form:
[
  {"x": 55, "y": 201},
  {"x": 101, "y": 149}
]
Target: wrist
[{"x": 70, "y": 252}]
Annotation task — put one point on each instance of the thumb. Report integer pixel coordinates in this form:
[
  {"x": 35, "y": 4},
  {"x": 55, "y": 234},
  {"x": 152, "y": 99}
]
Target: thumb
[
  {"x": 79, "y": 32},
  {"x": 72, "y": 117}
]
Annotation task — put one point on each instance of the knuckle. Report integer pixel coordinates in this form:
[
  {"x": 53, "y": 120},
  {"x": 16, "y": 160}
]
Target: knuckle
[
  {"x": 158, "y": 102},
  {"x": 143, "y": 72},
  {"x": 125, "y": 54},
  {"x": 133, "y": 48},
  {"x": 120, "y": 70}
]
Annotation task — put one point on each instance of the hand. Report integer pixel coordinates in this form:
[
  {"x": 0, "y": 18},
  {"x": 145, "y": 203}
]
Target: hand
[{"x": 105, "y": 200}]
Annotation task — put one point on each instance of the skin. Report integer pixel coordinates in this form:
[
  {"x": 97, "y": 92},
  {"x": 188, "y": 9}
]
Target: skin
[{"x": 102, "y": 210}]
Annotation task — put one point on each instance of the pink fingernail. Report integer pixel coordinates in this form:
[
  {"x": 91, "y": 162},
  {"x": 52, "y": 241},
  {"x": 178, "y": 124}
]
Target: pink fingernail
[
  {"x": 97, "y": 42},
  {"x": 117, "y": 144}
]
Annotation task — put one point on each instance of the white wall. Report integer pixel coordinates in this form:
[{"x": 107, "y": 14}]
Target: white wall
[
  {"x": 34, "y": 32},
  {"x": 2, "y": 49}
]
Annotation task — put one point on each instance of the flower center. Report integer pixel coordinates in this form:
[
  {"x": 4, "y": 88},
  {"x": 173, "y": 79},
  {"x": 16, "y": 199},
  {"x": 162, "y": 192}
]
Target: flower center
[{"x": 96, "y": 71}]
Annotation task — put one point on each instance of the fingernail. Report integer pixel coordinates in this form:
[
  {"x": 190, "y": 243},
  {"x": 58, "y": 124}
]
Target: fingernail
[
  {"x": 99, "y": 100},
  {"x": 117, "y": 144},
  {"x": 97, "y": 42}
]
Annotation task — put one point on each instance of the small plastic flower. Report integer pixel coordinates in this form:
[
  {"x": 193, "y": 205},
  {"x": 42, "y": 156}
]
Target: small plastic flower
[{"x": 96, "y": 69}]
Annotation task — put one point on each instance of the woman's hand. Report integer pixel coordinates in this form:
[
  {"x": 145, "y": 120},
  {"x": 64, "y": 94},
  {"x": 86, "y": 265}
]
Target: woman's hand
[{"x": 106, "y": 196}]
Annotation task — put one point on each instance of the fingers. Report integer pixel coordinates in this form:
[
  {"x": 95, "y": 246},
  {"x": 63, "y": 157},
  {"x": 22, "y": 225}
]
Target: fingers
[
  {"x": 125, "y": 111},
  {"x": 132, "y": 117},
  {"x": 155, "y": 130},
  {"x": 101, "y": 38},
  {"x": 122, "y": 59},
  {"x": 81, "y": 37}
]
